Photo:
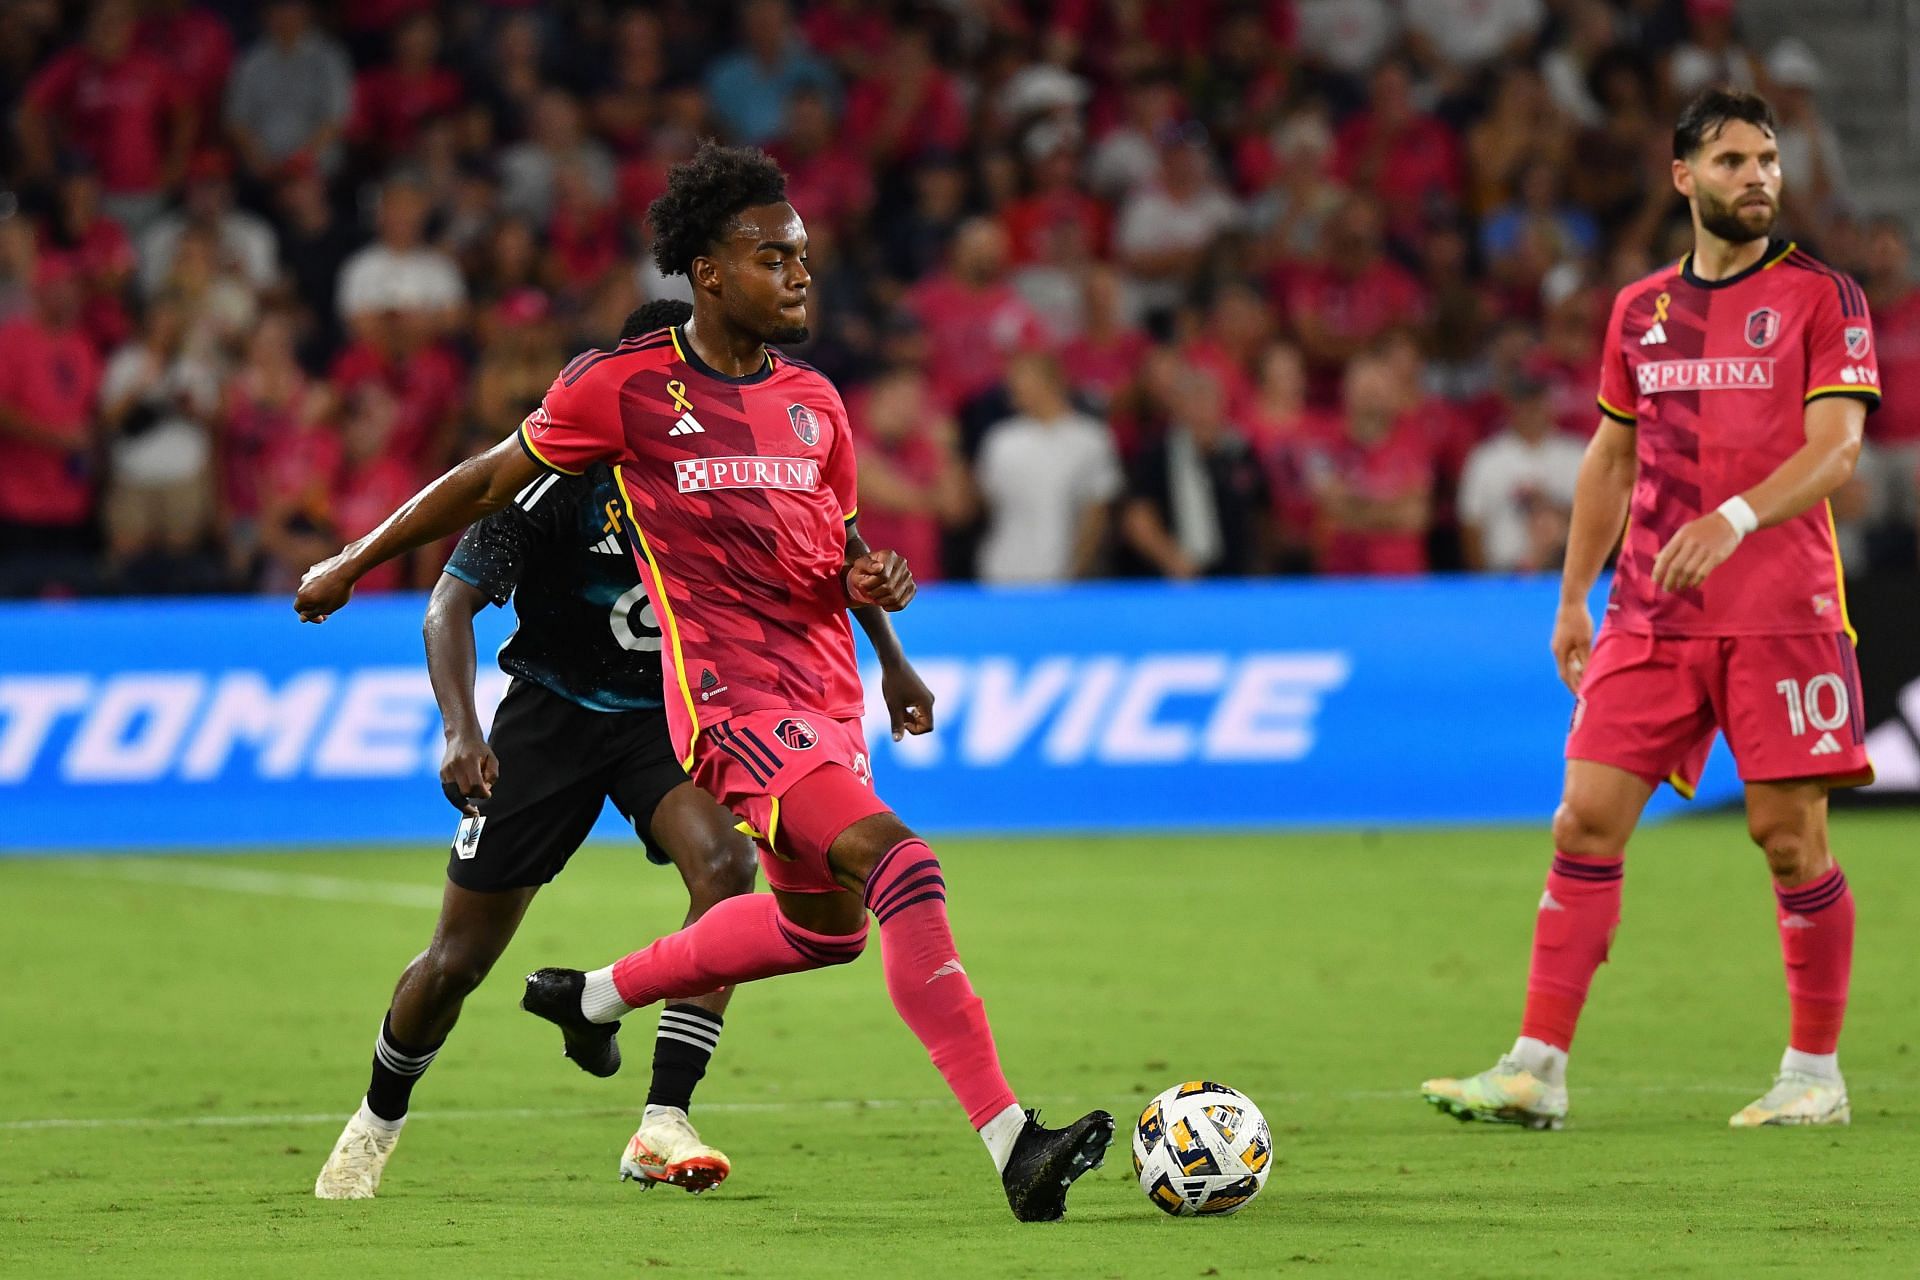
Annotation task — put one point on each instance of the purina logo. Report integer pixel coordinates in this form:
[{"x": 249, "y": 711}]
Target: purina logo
[
  {"x": 697, "y": 475},
  {"x": 796, "y": 733},
  {"x": 1721, "y": 374},
  {"x": 805, "y": 424},
  {"x": 1859, "y": 339},
  {"x": 1763, "y": 326}
]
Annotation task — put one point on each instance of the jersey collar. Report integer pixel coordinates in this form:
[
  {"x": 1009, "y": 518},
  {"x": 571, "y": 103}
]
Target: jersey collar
[
  {"x": 684, "y": 349},
  {"x": 1776, "y": 250}
]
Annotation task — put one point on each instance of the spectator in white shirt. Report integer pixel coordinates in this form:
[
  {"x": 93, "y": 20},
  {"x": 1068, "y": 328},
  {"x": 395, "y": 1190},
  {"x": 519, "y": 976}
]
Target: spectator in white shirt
[
  {"x": 247, "y": 244},
  {"x": 1517, "y": 490},
  {"x": 399, "y": 271},
  {"x": 1166, "y": 230},
  {"x": 290, "y": 95},
  {"x": 1047, "y": 476}
]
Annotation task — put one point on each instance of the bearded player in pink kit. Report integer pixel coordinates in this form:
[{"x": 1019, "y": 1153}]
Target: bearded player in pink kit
[
  {"x": 1733, "y": 391},
  {"x": 736, "y": 466}
]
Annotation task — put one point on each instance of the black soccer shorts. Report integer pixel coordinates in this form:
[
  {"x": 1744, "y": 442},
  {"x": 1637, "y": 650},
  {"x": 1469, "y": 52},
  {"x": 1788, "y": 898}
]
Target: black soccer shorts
[{"x": 559, "y": 762}]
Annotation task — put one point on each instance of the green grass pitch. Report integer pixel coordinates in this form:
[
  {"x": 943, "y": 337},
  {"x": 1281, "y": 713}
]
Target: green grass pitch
[{"x": 181, "y": 1038}]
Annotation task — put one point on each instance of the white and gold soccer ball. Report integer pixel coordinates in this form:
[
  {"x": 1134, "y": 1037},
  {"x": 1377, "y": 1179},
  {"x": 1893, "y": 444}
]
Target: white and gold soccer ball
[{"x": 1201, "y": 1148}]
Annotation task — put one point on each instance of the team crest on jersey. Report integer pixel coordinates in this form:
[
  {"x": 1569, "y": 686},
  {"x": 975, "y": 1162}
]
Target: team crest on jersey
[
  {"x": 1859, "y": 338},
  {"x": 538, "y": 422},
  {"x": 1763, "y": 326},
  {"x": 805, "y": 424},
  {"x": 796, "y": 733}
]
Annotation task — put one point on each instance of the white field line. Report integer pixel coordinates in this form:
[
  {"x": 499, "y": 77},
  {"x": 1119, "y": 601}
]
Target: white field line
[
  {"x": 268, "y": 1121},
  {"x": 272, "y": 884}
]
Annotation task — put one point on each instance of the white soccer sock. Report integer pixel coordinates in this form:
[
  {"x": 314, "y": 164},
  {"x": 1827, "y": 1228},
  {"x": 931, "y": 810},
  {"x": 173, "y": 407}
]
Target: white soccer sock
[
  {"x": 1822, "y": 1066},
  {"x": 1544, "y": 1060},
  {"x": 1000, "y": 1132},
  {"x": 600, "y": 1000},
  {"x": 373, "y": 1121}
]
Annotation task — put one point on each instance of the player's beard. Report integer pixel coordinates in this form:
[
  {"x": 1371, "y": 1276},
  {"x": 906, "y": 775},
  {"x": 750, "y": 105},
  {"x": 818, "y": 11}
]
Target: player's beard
[
  {"x": 1736, "y": 225},
  {"x": 791, "y": 335}
]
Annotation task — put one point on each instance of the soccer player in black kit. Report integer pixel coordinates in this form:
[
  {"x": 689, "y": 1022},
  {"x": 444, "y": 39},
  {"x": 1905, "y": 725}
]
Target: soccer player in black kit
[{"x": 581, "y": 723}]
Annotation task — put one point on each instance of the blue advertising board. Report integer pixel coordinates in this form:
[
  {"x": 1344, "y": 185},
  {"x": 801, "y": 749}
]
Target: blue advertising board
[{"x": 1094, "y": 708}]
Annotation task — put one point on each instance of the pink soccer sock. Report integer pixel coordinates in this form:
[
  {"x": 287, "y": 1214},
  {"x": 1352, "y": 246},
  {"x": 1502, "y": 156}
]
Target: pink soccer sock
[
  {"x": 1578, "y": 914},
  {"x": 908, "y": 897},
  {"x": 739, "y": 939},
  {"x": 1816, "y": 938}
]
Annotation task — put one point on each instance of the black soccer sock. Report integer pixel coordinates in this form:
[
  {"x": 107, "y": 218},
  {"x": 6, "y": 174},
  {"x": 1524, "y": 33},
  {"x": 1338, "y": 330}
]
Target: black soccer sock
[
  {"x": 396, "y": 1069},
  {"x": 682, "y": 1047}
]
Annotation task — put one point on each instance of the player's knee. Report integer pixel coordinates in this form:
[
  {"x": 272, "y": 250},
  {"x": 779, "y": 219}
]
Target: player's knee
[
  {"x": 1581, "y": 829},
  {"x": 848, "y": 948},
  {"x": 1793, "y": 852},
  {"x": 726, "y": 869},
  {"x": 455, "y": 970}
]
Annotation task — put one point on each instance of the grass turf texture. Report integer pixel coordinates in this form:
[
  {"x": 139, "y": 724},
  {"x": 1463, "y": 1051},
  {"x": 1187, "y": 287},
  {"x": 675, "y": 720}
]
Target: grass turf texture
[{"x": 228, "y": 1017}]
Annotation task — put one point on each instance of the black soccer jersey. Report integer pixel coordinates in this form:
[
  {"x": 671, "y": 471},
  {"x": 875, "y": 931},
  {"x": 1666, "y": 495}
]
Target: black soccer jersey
[{"x": 560, "y": 553}]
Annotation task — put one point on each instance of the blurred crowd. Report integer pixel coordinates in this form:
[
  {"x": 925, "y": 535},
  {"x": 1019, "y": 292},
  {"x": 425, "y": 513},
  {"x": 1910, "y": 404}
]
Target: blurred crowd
[{"x": 1173, "y": 288}]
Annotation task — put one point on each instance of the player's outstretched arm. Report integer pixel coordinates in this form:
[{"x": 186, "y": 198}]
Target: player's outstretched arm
[
  {"x": 1817, "y": 468},
  {"x": 878, "y": 577},
  {"x": 1600, "y": 498},
  {"x": 469, "y": 768},
  {"x": 471, "y": 491}
]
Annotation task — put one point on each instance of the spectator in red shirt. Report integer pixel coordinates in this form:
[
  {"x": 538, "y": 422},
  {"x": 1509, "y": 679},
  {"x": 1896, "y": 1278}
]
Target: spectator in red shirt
[
  {"x": 196, "y": 45},
  {"x": 1285, "y": 433},
  {"x": 118, "y": 106},
  {"x": 909, "y": 106},
  {"x": 102, "y": 255},
  {"x": 390, "y": 102},
  {"x": 1568, "y": 353},
  {"x": 1374, "y": 486},
  {"x": 371, "y": 480},
  {"x": 49, "y": 380},
  {"x": 1410, "y": 161},
  {"x": 261, "y": 406},
  {"x": 1110, "y": 347},
  {"x": 583, "y": 235},
  {"x": 913, "y": 484},
  {"x": 1351, "y": 298},
  {"x": 1891, "y": 462},
  {"x": 1054, "y": 198},
  {"x": 973, "y": 317},
  {"x": 823, "y": 178}
]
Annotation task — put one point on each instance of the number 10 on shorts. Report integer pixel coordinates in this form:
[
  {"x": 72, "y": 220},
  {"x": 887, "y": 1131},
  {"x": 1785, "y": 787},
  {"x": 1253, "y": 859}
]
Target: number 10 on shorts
[{"x": 1822, "y": 703}]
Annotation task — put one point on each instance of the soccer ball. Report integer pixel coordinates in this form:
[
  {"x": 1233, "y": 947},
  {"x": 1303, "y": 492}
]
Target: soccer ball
[{"x": 1201, "y": 1148}]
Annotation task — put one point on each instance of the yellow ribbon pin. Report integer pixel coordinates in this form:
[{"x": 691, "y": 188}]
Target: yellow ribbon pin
[
  {"x": 1660, "y": 305},
  {"x": 677, "y": 391}
]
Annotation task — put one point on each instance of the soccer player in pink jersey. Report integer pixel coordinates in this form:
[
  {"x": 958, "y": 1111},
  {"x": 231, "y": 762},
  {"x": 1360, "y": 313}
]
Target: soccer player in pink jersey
[
  {"x": 1733, "y": 389},
  {"x": 736, "y": 466}
]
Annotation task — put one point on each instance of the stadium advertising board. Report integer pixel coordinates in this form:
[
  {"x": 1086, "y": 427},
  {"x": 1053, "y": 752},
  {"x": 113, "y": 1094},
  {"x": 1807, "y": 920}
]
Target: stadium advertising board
[{"x": 146, "y": 724}]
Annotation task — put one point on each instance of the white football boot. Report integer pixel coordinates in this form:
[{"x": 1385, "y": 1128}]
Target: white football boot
[
  {"x": 666, "y": 1148},
  {"x": 1797, "y": 1098},
  {"x": 1506, "y": 1093},
  {"x": 353, "y": 1171}
]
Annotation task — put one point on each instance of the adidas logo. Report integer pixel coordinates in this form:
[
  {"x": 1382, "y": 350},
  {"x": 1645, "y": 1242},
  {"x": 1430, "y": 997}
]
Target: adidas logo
[
  {"x": 1827, "y": 746},
  {"x": 1550, "y": 903},
  {"x": 687, "y": 425},
  {"x": 1654, "y": 336},
  {"x": 1796, "y": 922},
  {"x": 608, "y": 546},
  {"x": 710, "y": 685},
  {"x": 946, "y": 970}
]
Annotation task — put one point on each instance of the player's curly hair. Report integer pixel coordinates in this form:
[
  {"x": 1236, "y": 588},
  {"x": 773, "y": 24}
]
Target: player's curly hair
[
  {"x": 658, "y": 314},
  {"x": 704, "y": 195}
]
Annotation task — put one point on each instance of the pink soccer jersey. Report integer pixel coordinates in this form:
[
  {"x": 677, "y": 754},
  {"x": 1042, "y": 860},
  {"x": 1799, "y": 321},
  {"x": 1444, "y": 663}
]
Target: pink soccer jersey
[
  {"x": 739, "y": 491},
  {"x": 1715, "y": 376}
]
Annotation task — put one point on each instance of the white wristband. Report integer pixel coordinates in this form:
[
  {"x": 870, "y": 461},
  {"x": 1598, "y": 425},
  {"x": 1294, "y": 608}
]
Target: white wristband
[{"x": 1739, "y": 514}]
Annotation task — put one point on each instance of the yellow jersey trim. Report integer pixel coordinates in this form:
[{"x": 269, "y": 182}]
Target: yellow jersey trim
[
  {"x": 1618, "y": 415},
  {"x": 678, "y": 350},
  {"x": 1681, "y": 785},
  {"x": 1857, "y": 389},
  {"x": 1839, "y": 576},
  {"x": 533, "y": 451},
  {"x": 851, "y": 516},
  {"x": 671, "y": 625},
  {"x": 1781, "y": 256},
  {"x": 773, "y": 822}
]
